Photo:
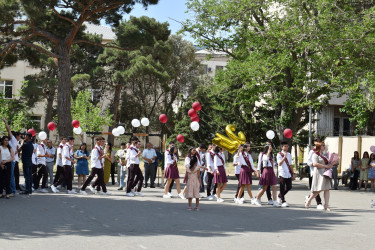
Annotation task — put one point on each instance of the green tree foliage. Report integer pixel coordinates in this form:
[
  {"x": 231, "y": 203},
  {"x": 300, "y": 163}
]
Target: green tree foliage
[
  {"x": 53, "y": 28},
  {"x": 285, "y": 56}
]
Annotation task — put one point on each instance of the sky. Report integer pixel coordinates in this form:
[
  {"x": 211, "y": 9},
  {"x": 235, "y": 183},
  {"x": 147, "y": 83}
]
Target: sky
[{"x": 163, "y": 11}]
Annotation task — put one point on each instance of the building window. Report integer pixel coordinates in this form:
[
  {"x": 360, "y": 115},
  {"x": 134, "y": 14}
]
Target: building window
[
  {"x": 205, "y": 69},
  {"x": 342, "y": 127},
  {"x": 218, "y": 68},
  {"x": 6, "y": 89},
  {"x": 36, "y": 122}
]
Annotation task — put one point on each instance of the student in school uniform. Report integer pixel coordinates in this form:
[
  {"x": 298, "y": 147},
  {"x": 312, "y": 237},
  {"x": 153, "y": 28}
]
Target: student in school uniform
[
  {"x": 59, "y": 165},
  {"x": 172, "y": 173},
  {"x": 220, "y": 176},
  {"x": 135, "y": 174},
  {"x": 171, "y": 144},
  {"x": 260, "y": 169},
  {"x": 268, "y": 177},
  {"x": 42, "y": 166},
  {"x": 237, "y": 170},
  {"x": 245, "y": 160},
  {"x": 286, "y": 175},
  {"x": 210, "y": 172}
]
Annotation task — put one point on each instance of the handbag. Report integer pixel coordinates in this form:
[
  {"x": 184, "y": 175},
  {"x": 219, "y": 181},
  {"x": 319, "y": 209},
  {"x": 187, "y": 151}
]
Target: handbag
[{"x": 328, "y": 173}]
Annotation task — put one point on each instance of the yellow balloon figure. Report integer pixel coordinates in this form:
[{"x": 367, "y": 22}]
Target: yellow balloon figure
[{"x": 231, "y": 142}]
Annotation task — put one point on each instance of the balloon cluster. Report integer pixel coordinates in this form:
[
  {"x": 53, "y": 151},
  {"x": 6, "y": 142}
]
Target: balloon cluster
[
  {"x": 194, "y": 125},
  {"x": 288, "y": 133},
  {"x": 77, "y": 129},
  {"x": 144, "y": 121},
  {"x": 120, "y": 130}
]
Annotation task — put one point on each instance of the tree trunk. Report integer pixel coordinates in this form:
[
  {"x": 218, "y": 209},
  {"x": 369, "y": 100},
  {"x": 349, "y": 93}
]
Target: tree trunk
[
  {"x": 115, "y": 111},
  {"x": 49, "y": 109},
  {"x": 64, "y": 123}
]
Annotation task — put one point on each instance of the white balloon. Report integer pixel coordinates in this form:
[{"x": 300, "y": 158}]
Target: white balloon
[
  {"x": 121, "y": 129},
  {"x": 42, "y": 135},
  {"x": 77, "y": 131},
  {"x": 136, "y": 123},
  {"x": 115, "y": 132},
  {"x": 270, "y": 134},
  {"x": 194, "y": 126},
  {"x": 145, "y": 122}
]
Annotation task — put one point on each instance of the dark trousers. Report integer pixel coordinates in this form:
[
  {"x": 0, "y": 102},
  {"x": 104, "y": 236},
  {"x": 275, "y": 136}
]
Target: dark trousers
[
  {"x": 17, "y": 175},
  {"x": 67, "y": 177},
  {"x": 155, "y": 166},
  {"x": 59, "y": 173},
  {"x": 210, "y": 178},
  {"x": 354, "y": 180},
  {"x": 171, "y": 186},
  {"x": 202, "y": 176},
  {"x": 285, "y": 186},
  {"x": 135, "y": 177},
  {"x": 238, "y": 187},
  {"x": 113, "y": 169},
  {"x": 27, "y": 174},
  {"x": 5, "y": 178},
  {"x": 99, "y": 181},
  {"x": 38, "y": 174},
  {"x": 149, "y": 172}
]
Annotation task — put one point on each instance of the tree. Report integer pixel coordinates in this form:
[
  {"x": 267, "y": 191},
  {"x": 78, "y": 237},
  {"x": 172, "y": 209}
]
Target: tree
[
  {"x": 53, "y": 27},
  {"x": 90, "y": 116},
  {"x": 285, "y": 55}
]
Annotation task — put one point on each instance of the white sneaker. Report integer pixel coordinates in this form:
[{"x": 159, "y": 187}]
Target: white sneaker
[
  {"x": 132, "y": 191},
  {"x": 279, "y": 200},
  {"x": 235, "y": 200},
  {"x": 243, "y": 200},
  {"x": 258, "y": 203},
  {"x": 129, "y": 194},
  {"x": 210, "y": 198},
  {"x": 139, "y": 194},
  {"x": 270, "y": 202},
  {"x": 72, "y": 192},
  {"x": 220, "y": 200},
  {"x": 320, "y": 207},
  {"x": 276, "y": 204},
  {"x": 200, "y": 196},
  {"x": 83, "y": 192},
  {"x": 92, "y": 189},
  {"x": 44, "y": 190},
  {"x": 33, "y": 189},
  {"x": 215, "y": 196},
  {"x": 170, "y": 195},
  {"x": 252, "y": 201},
  {"x": 105, "y": 193},
  {"x": 182, "y": 196},
  {"x": 165, "y": 196},
  {"x": 240, "y": 201},
  {"x": 54, "y": 189},
  {"x": 285, "y": 204}
]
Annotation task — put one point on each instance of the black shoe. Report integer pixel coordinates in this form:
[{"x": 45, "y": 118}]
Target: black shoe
[
  {"x": 24, "y": 193},
  {"x": 120, "y": 188},
  {"x": 7, "y": 197},
  {"x": 145, "y": 185},
  {"x": 152, "y": 186}
]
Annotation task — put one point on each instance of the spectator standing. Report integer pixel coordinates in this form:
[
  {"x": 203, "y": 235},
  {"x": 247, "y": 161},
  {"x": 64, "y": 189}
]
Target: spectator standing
[
  {"x": 364, "y": 169},
  {"x": 158, "y": 161},
  {"x": 371, "y": 172},
  {"x": 50, "y": 160},
  {"x": 82, "y": 167},
  {"x": 120, "y": 156},
  {"x": 108, "y": 155},
  {"x": 27, "y": 149},
  {"x": 113, "y": 166},
  {"x": 356, "y": 162},
  {"x": 149, "y": 156},
  {"x": 7, "y": 156}
]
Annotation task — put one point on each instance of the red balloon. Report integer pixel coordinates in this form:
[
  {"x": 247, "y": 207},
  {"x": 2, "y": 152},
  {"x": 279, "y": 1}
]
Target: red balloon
[
  {"x": 197, "y": 106},
  {"x": 195, "y": 119},
  {"x": 163, "y": 118},
  {"x": 192, "y": 113},
  {"x": 51, "y": 126},
  {"x": 31, "y": 131},
  {"x": 75, "y": 123},
  {"x": 180, "y": 138},
  {"x": 288, "y": 133}
]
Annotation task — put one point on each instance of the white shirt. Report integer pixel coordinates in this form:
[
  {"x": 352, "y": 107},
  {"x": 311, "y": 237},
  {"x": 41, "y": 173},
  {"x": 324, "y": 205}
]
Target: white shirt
[
  {"x": 200, "y": 160},
  {"x": 95, "y": 162},
  {"x": 131, "y": 155},
  {"x": 237, "y": 168},
  {"x": 187, "y": 162},
  {"x": 210, "y": 161},
  {"x": 59, "y": 151},
  {"x": 218, "y": 162},
  {"x": 242, "y": 161},
  {"x": 283, "y": 169},
  {"x": 170, "y": 160},
  {"x": 309, "y": 161},
  {"x": 121, "y": 153},
  {"x": 33, "y": 157},
  {"x": 5, "y": 154},
  {"x": 67, "y": 152},
  {"x": 166, "y": 153},
  {"x": 149, "y": 154},
  {"x": 266, "y": 161},
  {"x": 14, "y": 145},
  {"x": 41, "y": 150}
]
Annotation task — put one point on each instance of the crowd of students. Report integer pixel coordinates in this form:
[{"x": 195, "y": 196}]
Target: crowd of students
[{"x": 202, "y": 167}]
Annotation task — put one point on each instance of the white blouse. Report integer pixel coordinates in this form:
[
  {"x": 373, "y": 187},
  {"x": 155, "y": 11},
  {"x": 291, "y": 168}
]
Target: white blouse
[
  {"x": 218, "y": 162},
  {"x": 5, "y": 154}
]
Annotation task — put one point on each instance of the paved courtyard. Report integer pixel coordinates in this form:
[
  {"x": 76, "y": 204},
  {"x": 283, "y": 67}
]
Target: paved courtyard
[{"x": 61, "y": 221}]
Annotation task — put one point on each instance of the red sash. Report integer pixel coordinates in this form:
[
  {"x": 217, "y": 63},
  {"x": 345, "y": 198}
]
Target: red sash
[
  {"x": 247, "y": 160},
  {"x": 221, "y": 158},
  {"x": 323, "y": 157},
  {"x": 198, "y": 156},
  {"x": 287, "y": 163},
  {"x": 212, "y": 155},
  {"x": 136, "y": 150}
]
